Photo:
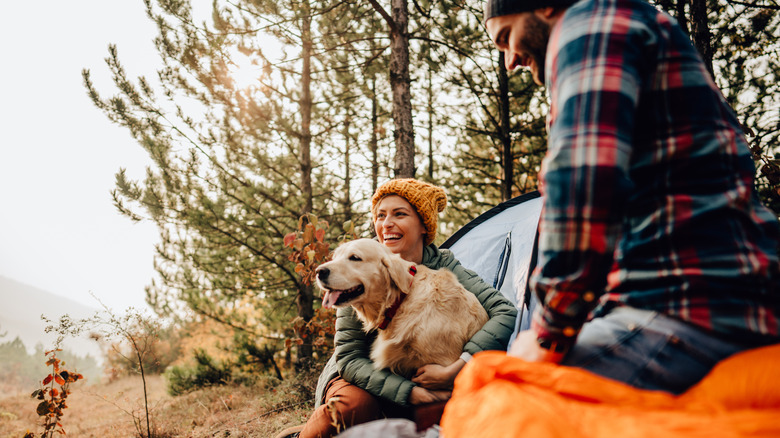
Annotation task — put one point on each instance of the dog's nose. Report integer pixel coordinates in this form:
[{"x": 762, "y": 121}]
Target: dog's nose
[{"x": 322, "y": 273}]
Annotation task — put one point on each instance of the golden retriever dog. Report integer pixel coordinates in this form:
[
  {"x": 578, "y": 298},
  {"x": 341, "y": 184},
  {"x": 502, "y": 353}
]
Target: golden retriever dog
[{"x": 423, "y": 316}]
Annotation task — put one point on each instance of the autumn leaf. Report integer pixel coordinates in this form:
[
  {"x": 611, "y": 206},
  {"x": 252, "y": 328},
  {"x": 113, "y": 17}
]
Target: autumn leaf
[
  {"x": 59, "y": 380},
  {"x": 43, "y": 408},
  {"x": 319, "y": 235},
  {"x": 308, "y": 233},
  {"x": 322, "y": 250},
  {"x": 47, "y": 379},
  {"x": 310, "y": 255},
  {"x": 288, "y": 239}
]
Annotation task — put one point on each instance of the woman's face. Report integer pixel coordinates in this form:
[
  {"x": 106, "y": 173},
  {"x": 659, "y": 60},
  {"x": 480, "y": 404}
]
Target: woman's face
[{"x": 399, "y": 228}]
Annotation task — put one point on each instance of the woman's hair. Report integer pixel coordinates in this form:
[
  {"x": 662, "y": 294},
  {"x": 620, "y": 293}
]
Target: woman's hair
[{"x": 429, "y": 200}]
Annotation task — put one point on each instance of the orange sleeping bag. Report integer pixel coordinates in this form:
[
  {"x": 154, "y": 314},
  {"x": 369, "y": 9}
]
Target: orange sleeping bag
[{"x": 500, "y": 396}]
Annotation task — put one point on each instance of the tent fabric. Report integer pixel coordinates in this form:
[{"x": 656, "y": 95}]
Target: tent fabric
[
  {"x": 499, "y": 246},
  {"x": 498, "y": 395}
]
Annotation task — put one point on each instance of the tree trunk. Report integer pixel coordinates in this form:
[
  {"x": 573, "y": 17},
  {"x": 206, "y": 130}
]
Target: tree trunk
[
  {"x": 700, "y": 32},
  {"x": 374, "y": 144},
  {"x": 347, "y": 175},
  {"x": 305, "y": 299},
  {"x": 682, "y": 17},
  {"x": 506, "y": 139},
  {"x": 430, "y": 124},
  {"x": 400, "y": 83}
]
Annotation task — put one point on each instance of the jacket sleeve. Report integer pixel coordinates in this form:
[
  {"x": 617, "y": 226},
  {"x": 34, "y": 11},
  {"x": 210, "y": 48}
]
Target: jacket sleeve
[
  {"x": 495, "y": 334},
  {"x": 353, "y": 347},
  {"x": 597, "y": 75}
]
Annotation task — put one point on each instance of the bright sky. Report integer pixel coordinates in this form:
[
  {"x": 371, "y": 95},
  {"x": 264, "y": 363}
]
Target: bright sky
[{"x": 59, "y": 230}]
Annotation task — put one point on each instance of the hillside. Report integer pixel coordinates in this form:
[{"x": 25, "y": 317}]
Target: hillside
[{"x": 20, "y": 315}]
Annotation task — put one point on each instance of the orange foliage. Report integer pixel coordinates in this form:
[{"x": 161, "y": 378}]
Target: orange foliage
[{"x": 53, "y": 399}]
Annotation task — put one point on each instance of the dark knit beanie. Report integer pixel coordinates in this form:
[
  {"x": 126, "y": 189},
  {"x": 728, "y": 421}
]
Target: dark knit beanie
[{"x": 495, "y": 8}]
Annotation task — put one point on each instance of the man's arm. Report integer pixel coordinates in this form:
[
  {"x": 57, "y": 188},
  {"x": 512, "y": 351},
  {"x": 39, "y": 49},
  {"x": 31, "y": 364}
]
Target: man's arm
[{"x": 594, "y": 82}]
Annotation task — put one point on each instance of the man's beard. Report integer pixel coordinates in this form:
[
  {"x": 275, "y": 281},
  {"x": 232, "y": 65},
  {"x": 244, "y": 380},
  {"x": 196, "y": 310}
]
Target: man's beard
[{"x": 535, "y": 42}]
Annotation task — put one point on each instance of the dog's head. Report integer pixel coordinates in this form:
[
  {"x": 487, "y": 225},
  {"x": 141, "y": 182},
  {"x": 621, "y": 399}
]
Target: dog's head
[{"x": 364, "y": 274}]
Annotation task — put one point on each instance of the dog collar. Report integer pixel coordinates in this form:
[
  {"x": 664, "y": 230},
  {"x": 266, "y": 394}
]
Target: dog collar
[{"x": 391, "y": 311}]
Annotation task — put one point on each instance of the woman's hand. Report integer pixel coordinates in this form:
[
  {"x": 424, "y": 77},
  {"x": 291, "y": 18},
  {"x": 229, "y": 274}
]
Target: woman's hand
[
  {"x": 434, "y": 376},
  {"x": 421, "y": 396}
]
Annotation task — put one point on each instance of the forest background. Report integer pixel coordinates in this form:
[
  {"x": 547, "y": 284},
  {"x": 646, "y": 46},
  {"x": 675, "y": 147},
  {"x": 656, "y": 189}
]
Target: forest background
[{"x": 271, "y": 123}]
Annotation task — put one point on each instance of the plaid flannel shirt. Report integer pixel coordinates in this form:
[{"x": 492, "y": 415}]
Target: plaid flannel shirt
[{"x": 648, "y": 183}]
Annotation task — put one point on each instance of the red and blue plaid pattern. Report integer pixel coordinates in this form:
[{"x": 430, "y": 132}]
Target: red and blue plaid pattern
[{"x": 648, "y": 183}]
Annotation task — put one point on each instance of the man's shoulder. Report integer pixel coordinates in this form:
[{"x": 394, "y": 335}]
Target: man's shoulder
[{"x": 638, "y": 10}]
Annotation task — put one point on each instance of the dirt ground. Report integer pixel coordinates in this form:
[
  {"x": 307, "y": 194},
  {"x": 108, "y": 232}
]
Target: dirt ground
[{"x": 117, "y": 410}]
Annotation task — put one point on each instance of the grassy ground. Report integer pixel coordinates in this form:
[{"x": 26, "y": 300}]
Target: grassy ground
[{"x": 112, "y": 410}]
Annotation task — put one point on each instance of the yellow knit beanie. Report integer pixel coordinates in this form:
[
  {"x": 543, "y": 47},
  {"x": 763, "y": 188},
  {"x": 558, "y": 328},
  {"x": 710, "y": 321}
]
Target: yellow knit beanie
[{"x": 428, "y": 199}]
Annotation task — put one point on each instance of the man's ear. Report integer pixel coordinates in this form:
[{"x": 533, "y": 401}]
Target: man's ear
[
  {"x": 549, "y": 14},
  {"x": 399, "y": 270}
]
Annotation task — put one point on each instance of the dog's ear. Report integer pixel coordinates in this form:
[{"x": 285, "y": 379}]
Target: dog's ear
[{"x": 401, "y": 271}]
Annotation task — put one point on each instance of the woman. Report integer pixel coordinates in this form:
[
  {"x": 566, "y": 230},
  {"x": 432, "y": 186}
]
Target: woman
[{"x": 350, "y": 391}]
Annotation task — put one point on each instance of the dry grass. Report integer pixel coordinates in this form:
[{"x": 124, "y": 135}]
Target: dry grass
[{"x": 109, "y": 410}]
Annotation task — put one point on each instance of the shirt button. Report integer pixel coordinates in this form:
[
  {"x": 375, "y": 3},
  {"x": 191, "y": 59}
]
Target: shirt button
[
  {"x": 588, "y": 296},
  {"x": 569, "y": 332}
]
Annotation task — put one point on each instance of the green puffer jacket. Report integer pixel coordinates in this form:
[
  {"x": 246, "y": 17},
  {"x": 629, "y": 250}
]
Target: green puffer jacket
[{"x": 351, "y": 359}]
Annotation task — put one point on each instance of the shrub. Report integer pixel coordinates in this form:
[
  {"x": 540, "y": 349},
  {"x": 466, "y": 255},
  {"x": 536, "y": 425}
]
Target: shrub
[{"x": 206, "y": 372}]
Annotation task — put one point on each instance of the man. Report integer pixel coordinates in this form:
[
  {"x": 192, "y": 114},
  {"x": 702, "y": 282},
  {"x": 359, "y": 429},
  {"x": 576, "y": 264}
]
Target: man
[{"x": 656, "y": 258}]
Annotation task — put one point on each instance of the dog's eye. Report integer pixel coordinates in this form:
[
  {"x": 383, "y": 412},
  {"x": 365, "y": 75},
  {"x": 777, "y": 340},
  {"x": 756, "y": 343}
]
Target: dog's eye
[{"x": 355, "y": 258}]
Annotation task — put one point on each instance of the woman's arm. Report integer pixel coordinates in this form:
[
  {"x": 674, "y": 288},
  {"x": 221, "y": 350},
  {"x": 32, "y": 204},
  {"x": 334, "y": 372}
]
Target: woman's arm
[
  {"x": 353, "y": 348},
  {"x": 494, "y": 335}
]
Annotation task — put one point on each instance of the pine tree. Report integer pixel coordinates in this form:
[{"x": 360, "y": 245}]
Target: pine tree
[
  {"x": 496, "y": 117},
  {"x": 234, "y": 168}
]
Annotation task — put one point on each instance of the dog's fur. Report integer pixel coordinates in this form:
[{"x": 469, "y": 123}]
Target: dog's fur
[{"x": 434, "y": 322}]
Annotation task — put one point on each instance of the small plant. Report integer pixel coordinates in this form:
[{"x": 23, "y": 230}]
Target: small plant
[
  {"x": 309, "y": 246},
  {"x": 139, "y": 331},
  {"x": 309, "y": 250},
  {"x": 53, "y": 399},
  {"x": 206, "y": 372}
]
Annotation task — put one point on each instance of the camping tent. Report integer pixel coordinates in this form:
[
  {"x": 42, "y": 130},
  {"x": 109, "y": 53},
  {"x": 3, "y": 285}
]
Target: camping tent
[{"x": 500, "y": 246}]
